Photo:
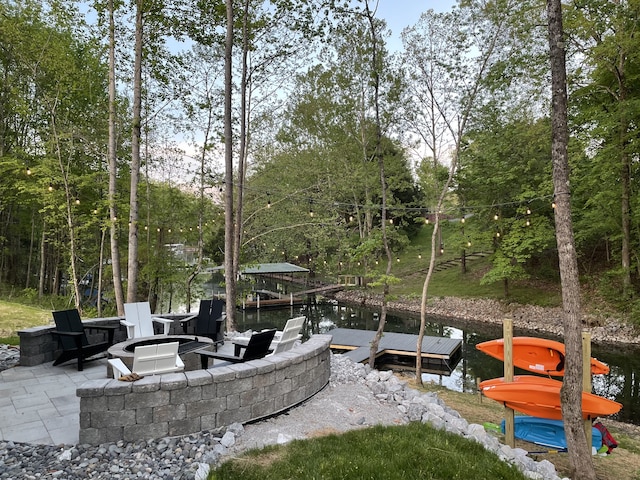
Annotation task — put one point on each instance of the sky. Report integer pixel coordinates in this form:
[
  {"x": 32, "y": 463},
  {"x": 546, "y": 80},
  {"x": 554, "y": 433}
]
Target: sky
[{"x": 400, "y": 14}]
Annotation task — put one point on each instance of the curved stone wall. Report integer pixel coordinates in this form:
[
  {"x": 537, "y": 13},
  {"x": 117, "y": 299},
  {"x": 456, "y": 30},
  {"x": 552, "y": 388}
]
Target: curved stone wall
[{"x": 189, "y": 402}]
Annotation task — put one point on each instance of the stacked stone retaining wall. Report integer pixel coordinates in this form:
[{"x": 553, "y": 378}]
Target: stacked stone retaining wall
[
  {"x": 39, "y": 344},
  {"x": 183, "y": 403}
]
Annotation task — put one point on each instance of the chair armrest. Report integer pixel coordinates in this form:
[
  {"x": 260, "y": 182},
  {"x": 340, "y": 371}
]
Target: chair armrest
[
  {"x": 205, "y": 355},
  {"x": 188, "y": 319},
  {"x": 130, "y": 328},
  {"x": 67, "y": 334},
  {"x": 109, "y": 329},
  {"x": 119, "y": 368},
  {"x": 100, "y": 327},
  {"x": 165, "y": 322}
]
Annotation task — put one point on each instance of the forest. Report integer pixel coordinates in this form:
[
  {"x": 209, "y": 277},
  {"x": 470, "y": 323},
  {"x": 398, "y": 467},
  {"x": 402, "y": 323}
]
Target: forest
[{"x": 127, "y": 167}]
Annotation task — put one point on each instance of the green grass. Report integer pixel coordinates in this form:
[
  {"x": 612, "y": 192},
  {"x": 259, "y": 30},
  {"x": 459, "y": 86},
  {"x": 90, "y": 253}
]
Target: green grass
[
  {"x": 411, "y": 267},
  {"x": 403, "y": 452},
  {"x": 16, "y": 316}
]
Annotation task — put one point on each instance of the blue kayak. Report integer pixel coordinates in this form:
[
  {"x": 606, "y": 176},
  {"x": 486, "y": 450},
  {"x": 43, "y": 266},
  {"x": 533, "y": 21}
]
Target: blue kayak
[{"x": 546, "y": 432}]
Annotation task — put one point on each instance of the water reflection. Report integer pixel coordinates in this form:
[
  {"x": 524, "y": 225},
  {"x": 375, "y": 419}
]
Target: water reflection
[{"x": 622, "y": 384}]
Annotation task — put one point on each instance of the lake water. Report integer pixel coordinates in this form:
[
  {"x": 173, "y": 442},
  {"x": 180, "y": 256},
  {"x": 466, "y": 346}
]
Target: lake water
[{"x": 621, "y": 384}]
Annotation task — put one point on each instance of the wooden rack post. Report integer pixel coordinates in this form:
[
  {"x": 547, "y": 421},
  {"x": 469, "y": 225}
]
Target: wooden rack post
[{"x": 509, "y": 416}]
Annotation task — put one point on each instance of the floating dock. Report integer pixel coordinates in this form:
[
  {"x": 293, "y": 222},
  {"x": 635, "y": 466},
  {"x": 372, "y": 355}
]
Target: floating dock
[{"x": 439, "y": 354}]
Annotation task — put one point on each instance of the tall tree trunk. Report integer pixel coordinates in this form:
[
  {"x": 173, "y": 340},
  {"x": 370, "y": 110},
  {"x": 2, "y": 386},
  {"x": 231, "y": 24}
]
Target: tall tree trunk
[
  {"x": 43, "y": 259},
  {"x": 32, "y": 240},
  {"x": 229, "y": 274},
  {"x": 132, "y": 264},
  {"x": 571, "y": 392},
  {"x": 113, "y": 170},
  {"x": 244, "y": 141},
  {"x": 68, "y": 201},
  {"x": 625, "y": 180},
  {"x": 375, "y": 72},
  {"x": 103, "y": 236}
]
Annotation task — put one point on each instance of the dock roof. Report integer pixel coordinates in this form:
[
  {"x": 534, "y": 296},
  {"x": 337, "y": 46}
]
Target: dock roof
[{"x": 264, "y": 268}]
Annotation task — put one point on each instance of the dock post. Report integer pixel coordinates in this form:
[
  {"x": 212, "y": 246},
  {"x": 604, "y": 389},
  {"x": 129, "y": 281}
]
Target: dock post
[
  {"x": 509, "y": 416},
  {"x": 258, "y": 302},
  {"x": 290, "y": 298},
  {"x": 586, "y": 379}
]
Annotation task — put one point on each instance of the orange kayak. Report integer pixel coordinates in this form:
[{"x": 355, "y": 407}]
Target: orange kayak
[
  {"x": 521, "y": 379},
  {"x": 542, "y": 399},
  {"x": 537, "y": 355}
]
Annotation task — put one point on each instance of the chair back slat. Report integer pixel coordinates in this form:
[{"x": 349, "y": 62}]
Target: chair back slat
[
  {"x": 139, "y": 314},
  {"x": 156, "y": 358},
  {"x": 258, "y": 345},
  {"x": 69, "y": 321},
  {"x": 207, "y": 323}
]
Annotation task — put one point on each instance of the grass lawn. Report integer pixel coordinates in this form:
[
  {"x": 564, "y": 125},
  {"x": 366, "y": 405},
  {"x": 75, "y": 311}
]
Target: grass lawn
[
  {"x": 403, "y": 452},
  {"x": 16, "y": 316}
]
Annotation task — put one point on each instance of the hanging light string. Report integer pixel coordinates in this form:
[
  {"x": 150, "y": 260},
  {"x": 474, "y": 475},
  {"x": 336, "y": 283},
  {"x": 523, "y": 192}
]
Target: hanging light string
[{"x": 317, "y": 205}]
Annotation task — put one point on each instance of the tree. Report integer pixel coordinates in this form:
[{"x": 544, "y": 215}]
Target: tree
[
  {"x": 505, "y": 168},
  {"x": 602, "y": 33},
  {"x": 476, "y": 40},
  {"x": 113, "y": 170},
  {"x": 571, "y": 392}
]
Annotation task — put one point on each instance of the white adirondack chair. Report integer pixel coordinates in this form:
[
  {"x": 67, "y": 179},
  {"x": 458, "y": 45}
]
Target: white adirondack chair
[
  {"x": 150, "y": 360},
  {"x": 139, "y": 321},
  {"x": 282, "y": 341}
]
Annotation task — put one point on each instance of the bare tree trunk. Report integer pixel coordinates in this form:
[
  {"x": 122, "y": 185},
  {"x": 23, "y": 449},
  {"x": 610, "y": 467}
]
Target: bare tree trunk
[
  {"x": 101, "y": 270},
  {"x": 132, "y": 264},
  {"x": 375, "y": 70},
  {"x": 31, "y": 243},
  {"x": 571, "y": 392},
  {"x": 625, "y": 180},
  {"x": 229, "y": 274},
  {"x": 113, "y": 171},
  {"x": 68, "y": 200},
  {"x": 244, "y": 142},
  {"x": 43, "y": 259}
]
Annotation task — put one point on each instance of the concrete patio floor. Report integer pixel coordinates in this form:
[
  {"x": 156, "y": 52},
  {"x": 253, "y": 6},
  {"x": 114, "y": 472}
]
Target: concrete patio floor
[{"x": 39, "y": 404}]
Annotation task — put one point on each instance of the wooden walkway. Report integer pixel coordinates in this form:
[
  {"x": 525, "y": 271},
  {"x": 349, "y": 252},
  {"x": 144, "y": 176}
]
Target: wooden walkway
[
  {"x": 323, "y": 289},
  {"x": 441, "y": 354}
]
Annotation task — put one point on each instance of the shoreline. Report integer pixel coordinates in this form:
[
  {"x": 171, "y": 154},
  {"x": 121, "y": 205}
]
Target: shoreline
[{"x": 609, "y": 331}]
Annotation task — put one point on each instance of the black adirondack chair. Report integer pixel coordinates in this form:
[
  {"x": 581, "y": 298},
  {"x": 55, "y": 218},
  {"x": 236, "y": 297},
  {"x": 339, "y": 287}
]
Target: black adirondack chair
[
  {"x": 208, "y": 321},
  {"x": 257, "y": 347},
  {"x": 73, "y": 339}
]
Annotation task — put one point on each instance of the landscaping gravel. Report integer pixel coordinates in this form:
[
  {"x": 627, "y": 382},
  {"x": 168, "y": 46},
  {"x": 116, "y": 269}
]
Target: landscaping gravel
[{"x": 356, "y": 397}]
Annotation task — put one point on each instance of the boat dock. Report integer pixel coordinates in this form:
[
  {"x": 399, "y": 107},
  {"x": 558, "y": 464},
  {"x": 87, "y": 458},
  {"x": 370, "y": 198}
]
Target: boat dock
[
  {"x": 269, "y": 299},
  {"x": 439, "y": 354}
]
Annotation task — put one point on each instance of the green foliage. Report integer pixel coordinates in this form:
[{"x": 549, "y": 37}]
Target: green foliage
[{"x": 416, "y": 450}]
